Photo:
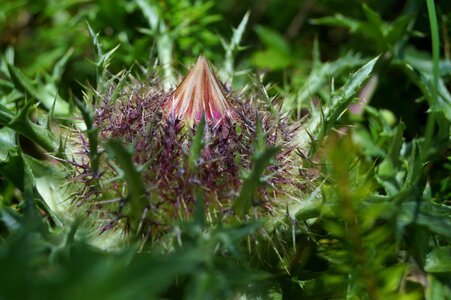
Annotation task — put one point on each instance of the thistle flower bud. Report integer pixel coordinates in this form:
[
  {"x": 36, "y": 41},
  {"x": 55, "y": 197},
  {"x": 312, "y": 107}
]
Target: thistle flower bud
[
  {"x": 200, "y": 92},
  {"x": 162, "y": 127}
]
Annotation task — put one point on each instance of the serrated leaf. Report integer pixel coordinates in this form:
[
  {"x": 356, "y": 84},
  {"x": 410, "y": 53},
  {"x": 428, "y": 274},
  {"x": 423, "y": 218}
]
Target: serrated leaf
[
  {"x": 23, "y": 125},
  {"x": 320, "y": 127},
  {"x": 319, "y": 76},
  {"x": 239, "y": 31},
  {"x": 46, "y": 93},
  {"x": 232, "y": 48},
  {"x": 442, "y": 103},
  {"x": 422, "y": 62},
  {"x": 164, "y": 41},
  {"x": 95, "y": 40}
]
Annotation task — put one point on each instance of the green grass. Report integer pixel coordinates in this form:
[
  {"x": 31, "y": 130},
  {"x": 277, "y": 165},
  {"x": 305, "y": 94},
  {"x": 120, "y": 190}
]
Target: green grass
[{"x": 367, "y": 213}]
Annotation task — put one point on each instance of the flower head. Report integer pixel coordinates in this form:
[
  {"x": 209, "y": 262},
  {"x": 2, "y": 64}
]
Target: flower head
[
  {"x": 161, "y": 126},
  {"x": 200, "y": 92}
]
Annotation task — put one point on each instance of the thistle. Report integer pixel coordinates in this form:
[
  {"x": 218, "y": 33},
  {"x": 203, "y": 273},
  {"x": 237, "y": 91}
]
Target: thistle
[
  {"x": 199, "y": 93},
  {"x": 195, "y": 141}
]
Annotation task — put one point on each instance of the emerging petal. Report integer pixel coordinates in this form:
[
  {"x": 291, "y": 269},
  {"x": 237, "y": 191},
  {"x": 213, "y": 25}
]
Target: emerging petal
[{"x": 199, "y": 92}]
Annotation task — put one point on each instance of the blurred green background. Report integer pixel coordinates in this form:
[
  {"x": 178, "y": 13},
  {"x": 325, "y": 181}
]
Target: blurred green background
[
  {"x": 278, "y": 39},
  {"x": 309, "y": 52}
]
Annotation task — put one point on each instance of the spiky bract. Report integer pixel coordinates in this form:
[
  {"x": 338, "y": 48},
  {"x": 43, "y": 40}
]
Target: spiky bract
[{"x": 161, "y": 144}]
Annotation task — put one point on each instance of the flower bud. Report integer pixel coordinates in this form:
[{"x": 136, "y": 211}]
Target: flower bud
[{"x": 200, "y": 92}]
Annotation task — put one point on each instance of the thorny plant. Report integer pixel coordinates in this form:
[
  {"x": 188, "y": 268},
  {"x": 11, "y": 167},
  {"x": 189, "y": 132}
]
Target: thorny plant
[{"x": 190, "y": 142}]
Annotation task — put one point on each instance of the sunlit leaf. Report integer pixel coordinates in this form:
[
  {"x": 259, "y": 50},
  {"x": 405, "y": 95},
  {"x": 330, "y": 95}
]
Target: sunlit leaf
[{"x": 439, "y": 260}]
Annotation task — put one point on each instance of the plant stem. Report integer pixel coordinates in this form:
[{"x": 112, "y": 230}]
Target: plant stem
[{"x": 430, "y": 126}]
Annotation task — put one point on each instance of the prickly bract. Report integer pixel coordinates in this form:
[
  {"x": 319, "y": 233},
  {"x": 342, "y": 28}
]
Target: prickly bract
[
  {"x": 158, "y": 131},
  {"x": 199, "y": 93}
]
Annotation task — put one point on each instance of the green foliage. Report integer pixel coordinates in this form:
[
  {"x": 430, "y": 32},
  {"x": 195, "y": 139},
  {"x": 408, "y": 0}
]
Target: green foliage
[
  {"x": 136, "y": 190},
  {"x": 232, "y": 48},
  {"x": 319, "y": 76},
  {"x": 385, "y": 35},
  {"x": 21, "y": 123},
  {"x": 92, "y": 134},
  {"x": 341, "y": 100},
  {"x": 252, "y": 180},
  {"x": 46, "y": 93},
  {"x": 196, "y": 145},
  {"x": 372, "y": 219},
  {"x": 58, "y": 265},
  {"x": 360, "y": 227},
  {"x": 277, "y": 55}
]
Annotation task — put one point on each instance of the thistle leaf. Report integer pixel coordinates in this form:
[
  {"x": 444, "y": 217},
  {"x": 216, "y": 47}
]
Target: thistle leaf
[
  {"x": 339, "y": 103},
  {"x": 23, "y": 125},
  {"x": 92, "y": 133},
  {"x": 46, "y": 93},
  {"x": 250, "y": 184},
  {"x": 196, "y": 145},
  {"x": 135, "y": 186}
]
